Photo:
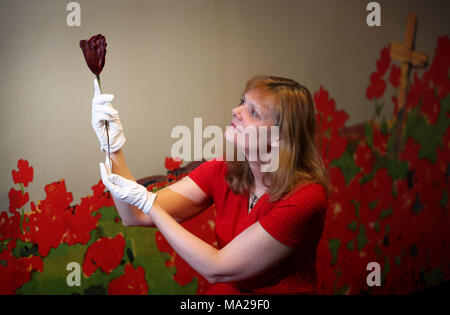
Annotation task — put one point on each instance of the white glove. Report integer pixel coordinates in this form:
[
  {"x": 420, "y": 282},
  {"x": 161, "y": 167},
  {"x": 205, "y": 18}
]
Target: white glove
[
  {"x": 127, "y": 190},
  {"x": 103, "y": 110}
]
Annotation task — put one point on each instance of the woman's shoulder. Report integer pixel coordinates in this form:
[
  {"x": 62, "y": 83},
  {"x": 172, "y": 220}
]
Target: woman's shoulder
[
  {"x": 216, "y": 162},
  {"x": 310, "y": 191},
  {"x": 207, "y": 175},
  {"x": 213, "y": 166}
]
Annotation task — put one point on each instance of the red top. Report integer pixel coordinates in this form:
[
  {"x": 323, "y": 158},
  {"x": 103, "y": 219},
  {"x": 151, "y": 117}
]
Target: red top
[{"x": 296, "y": 221}]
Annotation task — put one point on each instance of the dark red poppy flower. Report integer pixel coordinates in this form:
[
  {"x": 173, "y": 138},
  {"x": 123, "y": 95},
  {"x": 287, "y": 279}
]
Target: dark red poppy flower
[
  {"x": 94, "y": 51},
  {"x": 25, "y": 173}
]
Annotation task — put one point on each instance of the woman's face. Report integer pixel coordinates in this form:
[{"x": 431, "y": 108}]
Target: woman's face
[{"x": 253, "y": 113}]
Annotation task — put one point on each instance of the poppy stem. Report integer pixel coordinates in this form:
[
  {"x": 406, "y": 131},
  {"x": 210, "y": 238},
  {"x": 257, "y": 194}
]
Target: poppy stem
[{"x": 107, "y": 126}]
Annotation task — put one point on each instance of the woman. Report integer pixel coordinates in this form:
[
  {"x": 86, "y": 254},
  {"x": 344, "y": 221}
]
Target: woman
[{"x": 268, "y": 224}]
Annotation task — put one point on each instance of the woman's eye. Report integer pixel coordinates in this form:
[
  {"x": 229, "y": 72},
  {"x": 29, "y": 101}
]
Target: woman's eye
[{"x": 253, "y": 112}]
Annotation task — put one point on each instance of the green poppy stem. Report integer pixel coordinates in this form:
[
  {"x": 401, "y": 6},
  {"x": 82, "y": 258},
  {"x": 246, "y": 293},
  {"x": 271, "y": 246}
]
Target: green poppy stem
[{"x": 107, "y": 125}]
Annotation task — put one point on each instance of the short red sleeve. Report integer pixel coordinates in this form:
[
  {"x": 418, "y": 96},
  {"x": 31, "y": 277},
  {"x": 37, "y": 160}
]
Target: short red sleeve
[
  {"x": 205, "y": 175},
  {"x": 299, "y": 221}
]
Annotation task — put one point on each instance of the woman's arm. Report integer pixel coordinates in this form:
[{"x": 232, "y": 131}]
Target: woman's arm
[
  {"x": 130, "y": 215},
  {"x": 252, "y": 252},
  {"x": 181, "y": 200}
]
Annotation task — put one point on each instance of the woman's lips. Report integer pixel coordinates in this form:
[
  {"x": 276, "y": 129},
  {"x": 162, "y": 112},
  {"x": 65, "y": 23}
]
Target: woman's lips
[{"x": 237, "y": 127}]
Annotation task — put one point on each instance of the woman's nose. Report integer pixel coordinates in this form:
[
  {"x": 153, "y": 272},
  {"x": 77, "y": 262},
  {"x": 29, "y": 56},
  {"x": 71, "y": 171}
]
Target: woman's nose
[{"x": 236, "y": 113}]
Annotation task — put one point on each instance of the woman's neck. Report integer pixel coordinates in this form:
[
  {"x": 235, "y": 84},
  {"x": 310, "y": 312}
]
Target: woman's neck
[{"x": 258, "y": 185}]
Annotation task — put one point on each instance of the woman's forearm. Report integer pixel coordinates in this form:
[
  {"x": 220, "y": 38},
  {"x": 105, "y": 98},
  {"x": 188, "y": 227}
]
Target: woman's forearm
[
  {"x": 200, "y": 255},
  {"x": 130, "y": 215}
]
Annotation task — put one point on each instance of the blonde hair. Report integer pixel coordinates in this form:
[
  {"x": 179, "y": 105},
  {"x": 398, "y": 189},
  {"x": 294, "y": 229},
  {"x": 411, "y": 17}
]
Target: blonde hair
[{"x": 299, "y": 161}]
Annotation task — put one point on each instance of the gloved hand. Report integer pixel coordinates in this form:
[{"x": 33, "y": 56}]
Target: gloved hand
[
  {"x": 127, "y": 190},
  {"x": 102, "y": 111}
]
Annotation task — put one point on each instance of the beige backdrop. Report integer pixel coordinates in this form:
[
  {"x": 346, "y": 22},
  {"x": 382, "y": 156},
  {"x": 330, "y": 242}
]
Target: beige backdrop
[{"x": 169, "y": 61}]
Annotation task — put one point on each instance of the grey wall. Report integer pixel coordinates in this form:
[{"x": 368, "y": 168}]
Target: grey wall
[{"x": 169, "y": 61}]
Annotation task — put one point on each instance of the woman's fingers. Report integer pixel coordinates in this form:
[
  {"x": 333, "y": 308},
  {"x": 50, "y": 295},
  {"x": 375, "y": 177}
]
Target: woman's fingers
[
  {"x": 120, "y": 181},
  {"x": 105, "y": 173},
  {"x": 105, "y": 110},
  {"x": 97, "y": 90},
  {"x": 101, "y": 113},
  {"x": 102, "y": 99},
  {"x": 98, "y": 96}
]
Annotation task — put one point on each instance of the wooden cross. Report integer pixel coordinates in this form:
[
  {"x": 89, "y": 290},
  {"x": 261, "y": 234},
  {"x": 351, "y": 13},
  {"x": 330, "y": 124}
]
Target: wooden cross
[{"x": 404, "y": 53}]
